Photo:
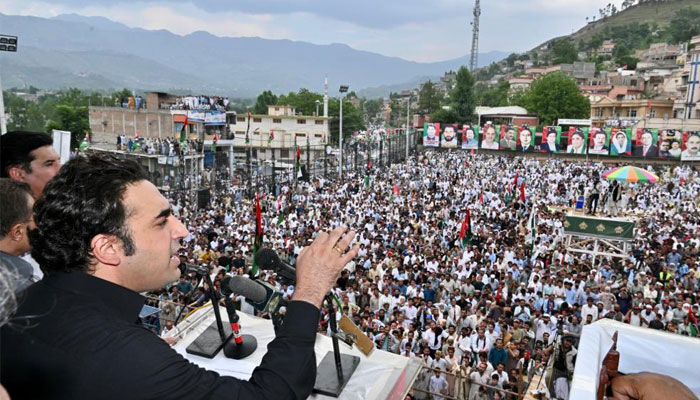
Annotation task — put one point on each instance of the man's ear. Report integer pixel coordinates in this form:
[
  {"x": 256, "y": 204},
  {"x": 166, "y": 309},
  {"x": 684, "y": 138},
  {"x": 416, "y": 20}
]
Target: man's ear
[
  {"x": 107, "y": 249},
  {"x": 16, "y": 232},
  {"x": 17, "y": 174}
]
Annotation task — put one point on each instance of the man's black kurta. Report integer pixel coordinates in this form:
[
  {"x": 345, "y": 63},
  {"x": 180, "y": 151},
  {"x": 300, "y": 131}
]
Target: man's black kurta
[{"x": 75, "y": 337}]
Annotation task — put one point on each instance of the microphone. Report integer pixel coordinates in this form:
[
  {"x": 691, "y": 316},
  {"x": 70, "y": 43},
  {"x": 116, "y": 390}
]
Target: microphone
[
  {"x": 188, "y": 268},
  {"x": 241, "y": 346},
  {"x": 260, "y": 295},
  {"x": 268, "y": 259}
]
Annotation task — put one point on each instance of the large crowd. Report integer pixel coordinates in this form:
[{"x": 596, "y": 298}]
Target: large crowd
[{"x": 486, "y": 308}]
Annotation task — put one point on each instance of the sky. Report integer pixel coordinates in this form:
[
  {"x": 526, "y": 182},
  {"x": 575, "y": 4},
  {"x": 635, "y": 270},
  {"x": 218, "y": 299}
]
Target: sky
[{"x": 416, "y": 30}]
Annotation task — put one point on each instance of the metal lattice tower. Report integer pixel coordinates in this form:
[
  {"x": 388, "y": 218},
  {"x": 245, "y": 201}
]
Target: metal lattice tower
[{"x": 475, "y": 37}]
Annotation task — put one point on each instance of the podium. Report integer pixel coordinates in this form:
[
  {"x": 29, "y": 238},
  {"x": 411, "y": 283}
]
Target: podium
[{"x": 382, "y": 375}]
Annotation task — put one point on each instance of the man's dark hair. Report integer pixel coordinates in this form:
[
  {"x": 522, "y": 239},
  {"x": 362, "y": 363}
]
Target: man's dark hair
[
  {"x": 84, "y": 199},
  {"x": 15, "y": 149},
  {"x": 13, "y": 197}
]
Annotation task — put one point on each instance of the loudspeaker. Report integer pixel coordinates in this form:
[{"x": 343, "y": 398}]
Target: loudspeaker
[{"x": 203, "y": 197}]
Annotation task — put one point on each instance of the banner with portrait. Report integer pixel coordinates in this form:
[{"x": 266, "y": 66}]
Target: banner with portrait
[
  {"x": 670, "y": 144},
  {"x": 599, "y": 141},
  {"x": 507, "y": 138},
  {"x": 431, "y": 134},
  {"x": 469, "y": 136},
  {"x": 621, "y": 142},
  {"x": 526, "y": 140},
  {"x": 577, "y": 140},
  {"x": 449, "y": 136},
  {"x": 645, "y": 143},
  {"x": 551, "y": 137},
  {"x": 489, "y": 138},
  {"x": 691, "y": 146}
]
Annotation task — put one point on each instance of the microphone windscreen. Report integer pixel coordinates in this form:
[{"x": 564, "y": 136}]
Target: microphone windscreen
[
  {"x": 247, "y": 288},
  {"x": 267, "y": 259}
]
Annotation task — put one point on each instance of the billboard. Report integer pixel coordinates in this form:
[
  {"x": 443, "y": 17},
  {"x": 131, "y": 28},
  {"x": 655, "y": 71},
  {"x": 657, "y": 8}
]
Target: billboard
[
  {"x": 598, "y": 141},
  {"x": 431, "y": 134},
  {"x": 551, "y": 137},
  {"x": 577, "y": 140},
  {"x": 621, "y": 142},
  {"x": 449, "y": 135},
  {"x": 489, "y": 140}
]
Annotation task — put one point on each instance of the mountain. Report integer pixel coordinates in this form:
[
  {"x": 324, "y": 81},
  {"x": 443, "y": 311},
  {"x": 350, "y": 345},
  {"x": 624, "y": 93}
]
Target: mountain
[{"x": 97, "y": 53}]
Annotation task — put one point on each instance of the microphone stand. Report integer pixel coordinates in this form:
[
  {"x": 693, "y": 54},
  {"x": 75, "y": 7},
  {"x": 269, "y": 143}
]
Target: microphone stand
[
  {"x": 212, "y": 340},
  {"x": 329, "y": 382}
]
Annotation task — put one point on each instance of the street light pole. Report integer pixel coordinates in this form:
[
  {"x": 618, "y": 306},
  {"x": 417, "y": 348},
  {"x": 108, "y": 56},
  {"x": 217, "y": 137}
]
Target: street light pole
[{"x": 343, "y": 89}]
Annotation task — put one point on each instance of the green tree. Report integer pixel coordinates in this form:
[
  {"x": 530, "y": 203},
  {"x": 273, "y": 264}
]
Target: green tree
[
  {"x": 353, "y": 119},
  {"x": 266, "y": 98},
  {"x": 684, "y": 25},
  {"x": 629, "y": 61},
  {"x": 553, "y": 96},
  {"x": 462, "y": 96},
  {"x": 73, "y": 119},
  {"x": 304, "y": 101},
  {"x": 429, "y": 98},
  {"x": 496, "y": 96},
  {"x": 445, "y": 116},
  {"x": 564, "y": 51},
  {"x": 372, "y": 108}
]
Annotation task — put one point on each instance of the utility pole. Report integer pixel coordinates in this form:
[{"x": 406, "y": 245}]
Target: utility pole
[
  {"x": 475, "y": 37},
  {"x": 343, "y": 89},
  {"x": 408, "y": 122}
]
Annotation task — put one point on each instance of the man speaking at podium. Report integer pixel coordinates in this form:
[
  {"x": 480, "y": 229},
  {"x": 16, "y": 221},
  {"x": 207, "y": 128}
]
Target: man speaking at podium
[{"x": 104, "y": 234}]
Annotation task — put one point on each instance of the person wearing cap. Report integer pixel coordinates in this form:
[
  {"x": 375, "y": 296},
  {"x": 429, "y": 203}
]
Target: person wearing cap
[{"x": 647, "y": 315}]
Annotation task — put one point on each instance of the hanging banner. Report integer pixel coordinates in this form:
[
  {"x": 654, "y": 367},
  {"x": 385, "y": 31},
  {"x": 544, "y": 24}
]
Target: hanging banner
[
  {"x": 577, "y": 140},
  {"x": 489, "y": 140},
  {"x": 449, "y": 135},
  {"x": 645, "y": 143},
  {"x": 470, "y": 136},
  {"x": 551, "y": 137},
  {"x": 670, "y": 144},
  {"x": 431, "y": 134},
  {"x": 691, "y": 145},
  {"x": 507, "y": 141},
  {"x": 526, "y": 140},
  {"x": 599, "y": 141},
  {"x": 620, "y": 142}
]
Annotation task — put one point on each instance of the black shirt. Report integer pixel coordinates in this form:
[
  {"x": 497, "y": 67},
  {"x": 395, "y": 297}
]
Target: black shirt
[{"x": 76, "y": 337}]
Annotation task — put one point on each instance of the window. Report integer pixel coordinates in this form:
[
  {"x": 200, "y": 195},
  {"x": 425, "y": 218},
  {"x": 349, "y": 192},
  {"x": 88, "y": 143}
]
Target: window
[
  {"x": 240, "y": 119},
  {"x": 242, "y": 133},
  {"x": 284, "y": 153},
  {"x": 632, "y": 113},
  {"x": 277, "y": 120},
  {"x": 318, "y": 135},
  {"x": 598, "y": 112},
  {"x": 277, "y": 108},
  {"x": 301, "y": 121},
  {"x": 255, "y": 153},
  {"x": 697, "y": 114},
  {"x": 652, "y": 113},
  {"x": 319, "y": 122},
  {"x": 257, "y": 119},
  {"x": 302, "y": 135}
]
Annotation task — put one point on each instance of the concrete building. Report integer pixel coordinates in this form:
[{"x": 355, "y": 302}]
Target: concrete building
[
  {"x": 288, "y": 130},
  {"x": 624, "y": 112},
  {"x": 607, "y": 48},
  {"x": 520, "y": 82},
  {"x": 688, "y": 84},
  {"x": 505, "y": 115}
]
